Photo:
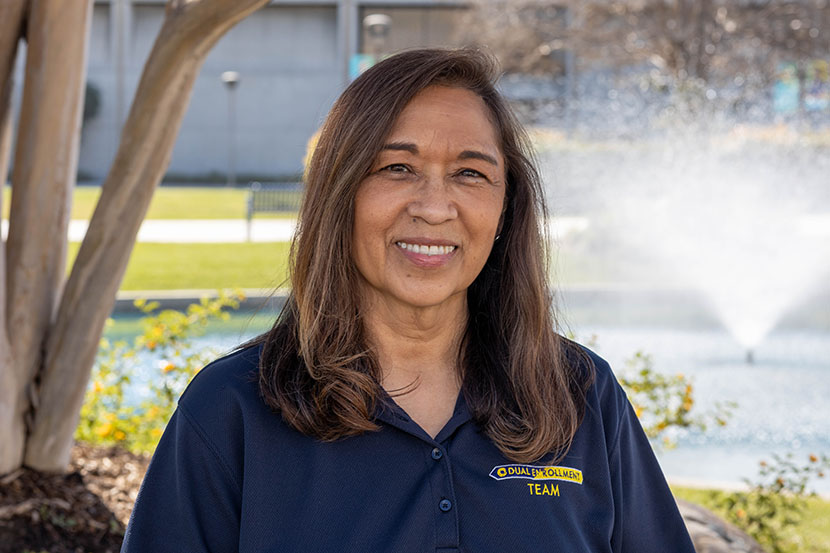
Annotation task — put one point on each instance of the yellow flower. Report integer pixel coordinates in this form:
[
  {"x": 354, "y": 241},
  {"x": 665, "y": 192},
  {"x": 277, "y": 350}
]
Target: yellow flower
[
  {"x": 96, "y": 387},
  {"x": 155, "y": 432},
  {"x": 105, "y": 430},
  {"x": 813, "y": 458},
  {"x": 741, "y": 514},
  {"x": 638, "y": 411},
  {"x": 168, "y": 367},
  {"x": 119, "y": 435}
]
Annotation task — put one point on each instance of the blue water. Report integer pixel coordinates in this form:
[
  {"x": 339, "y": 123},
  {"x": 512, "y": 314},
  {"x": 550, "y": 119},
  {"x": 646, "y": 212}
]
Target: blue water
[{"x": 782, "y": 399}]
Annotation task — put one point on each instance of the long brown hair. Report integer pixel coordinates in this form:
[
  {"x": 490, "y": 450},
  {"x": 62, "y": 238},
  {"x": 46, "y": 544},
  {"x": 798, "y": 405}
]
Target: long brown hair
[{"x": 524, "y": 384}]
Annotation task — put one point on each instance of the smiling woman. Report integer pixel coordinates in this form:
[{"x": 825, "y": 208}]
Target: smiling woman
[{"x": 413, "y": 394}]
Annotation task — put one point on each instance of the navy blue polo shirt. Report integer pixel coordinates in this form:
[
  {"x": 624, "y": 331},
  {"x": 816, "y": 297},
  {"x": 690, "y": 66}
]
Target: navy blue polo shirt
[{"x": 229, "y": 475}]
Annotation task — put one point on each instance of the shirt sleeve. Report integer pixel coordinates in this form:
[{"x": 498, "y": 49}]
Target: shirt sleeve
[
  {"x": 647, "y": 518},
  {"x": 189, "y": 499}
]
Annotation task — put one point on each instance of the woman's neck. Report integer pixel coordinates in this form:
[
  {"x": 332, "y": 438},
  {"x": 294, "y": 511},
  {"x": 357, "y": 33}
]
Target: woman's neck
[{"x": 417, "y": 346}]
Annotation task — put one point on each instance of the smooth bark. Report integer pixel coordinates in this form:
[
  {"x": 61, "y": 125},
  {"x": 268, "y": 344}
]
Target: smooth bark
[
  {"x": 189, "y": 31},
  {"x": 12, "y": 428}
]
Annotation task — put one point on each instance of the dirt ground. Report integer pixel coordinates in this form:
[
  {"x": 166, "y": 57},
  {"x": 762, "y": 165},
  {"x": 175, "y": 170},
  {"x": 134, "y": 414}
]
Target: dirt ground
[{"x": 83, "y": 511}]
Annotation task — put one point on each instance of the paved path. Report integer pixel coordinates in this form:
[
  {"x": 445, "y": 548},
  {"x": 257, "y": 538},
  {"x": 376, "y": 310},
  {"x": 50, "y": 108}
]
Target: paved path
[
  {"x": 236, "y": 230},
  {"x": 281, "y": 230}
]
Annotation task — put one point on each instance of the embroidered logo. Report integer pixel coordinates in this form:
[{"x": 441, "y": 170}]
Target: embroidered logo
[
  {"x": 539, "y": 474},
  {"x": 532, "y": 472}
]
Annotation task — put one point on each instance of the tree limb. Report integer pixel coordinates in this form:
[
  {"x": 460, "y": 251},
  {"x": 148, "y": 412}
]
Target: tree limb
[
  {"x": 12, "y": 430},
  {"x": 189, "y": 31}
]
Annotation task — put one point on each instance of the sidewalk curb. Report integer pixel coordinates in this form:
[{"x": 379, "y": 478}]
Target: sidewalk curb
[{"x": 268, "y": 301}]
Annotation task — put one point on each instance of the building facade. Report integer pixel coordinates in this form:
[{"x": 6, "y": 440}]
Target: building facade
[{"x": 293, "y": 59}]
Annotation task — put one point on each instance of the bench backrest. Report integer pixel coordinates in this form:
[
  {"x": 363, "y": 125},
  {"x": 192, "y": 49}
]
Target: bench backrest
[{"x": 274, "y": 197}]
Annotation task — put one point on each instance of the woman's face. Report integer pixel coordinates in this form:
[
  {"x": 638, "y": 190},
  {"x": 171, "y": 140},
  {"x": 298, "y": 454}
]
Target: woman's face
[{"x": 428, "y": 212}]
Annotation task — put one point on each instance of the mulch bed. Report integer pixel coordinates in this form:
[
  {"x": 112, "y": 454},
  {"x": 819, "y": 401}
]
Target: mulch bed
[{"x": 83, "y": 511}]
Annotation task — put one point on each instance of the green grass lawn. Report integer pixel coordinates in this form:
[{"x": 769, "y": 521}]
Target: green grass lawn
[
  {"x": 155, "y": 266},
  {"x": 170, "y": 202},
  {"x": 814, "y": 530},
  {"x": 204, "y": 266}
]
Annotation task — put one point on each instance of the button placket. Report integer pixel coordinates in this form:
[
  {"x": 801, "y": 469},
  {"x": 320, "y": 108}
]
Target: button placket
[{"x": 446, "y": 511}]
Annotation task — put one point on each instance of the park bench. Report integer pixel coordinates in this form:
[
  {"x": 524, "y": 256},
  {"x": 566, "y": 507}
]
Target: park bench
[{"x": 282, "y": 197}]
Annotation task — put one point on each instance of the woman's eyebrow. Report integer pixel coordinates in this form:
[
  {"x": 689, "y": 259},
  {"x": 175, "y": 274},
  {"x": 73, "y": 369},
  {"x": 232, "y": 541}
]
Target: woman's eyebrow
[
  {"x": 472, "y": 154},
  {"x": 466, "y": 154},
  {"x": 401, "y": 146}
]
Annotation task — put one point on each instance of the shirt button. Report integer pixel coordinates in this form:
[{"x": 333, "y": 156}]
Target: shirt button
[
  {"x": 445, "y": 505},
  {"x": 436, "y": 454}
]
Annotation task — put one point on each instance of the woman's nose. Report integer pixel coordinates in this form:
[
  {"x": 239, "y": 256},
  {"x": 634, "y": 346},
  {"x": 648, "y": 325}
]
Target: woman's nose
[{"x": 432, "y": 201}]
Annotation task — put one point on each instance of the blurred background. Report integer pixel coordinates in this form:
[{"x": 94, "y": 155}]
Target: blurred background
[{"x": 685, "y": 149}]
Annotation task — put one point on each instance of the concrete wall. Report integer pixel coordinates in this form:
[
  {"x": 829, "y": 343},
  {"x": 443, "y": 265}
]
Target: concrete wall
[
  {"x": 286, "y": 57},
  {"x": 293, "y": 60}
]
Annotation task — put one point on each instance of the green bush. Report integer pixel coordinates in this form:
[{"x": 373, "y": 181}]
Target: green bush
[
  {"x": 106, "y": 418},
  {"x": 772, "y": 507}
]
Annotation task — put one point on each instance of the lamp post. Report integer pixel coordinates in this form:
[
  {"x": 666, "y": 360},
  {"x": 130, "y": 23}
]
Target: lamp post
[
  {"x": 377, "y": 27},
  {"x": 231, "y": 79}
]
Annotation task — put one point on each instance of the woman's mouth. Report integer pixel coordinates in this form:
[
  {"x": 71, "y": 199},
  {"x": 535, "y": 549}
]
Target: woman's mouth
[{"x": 424, "y": 249}]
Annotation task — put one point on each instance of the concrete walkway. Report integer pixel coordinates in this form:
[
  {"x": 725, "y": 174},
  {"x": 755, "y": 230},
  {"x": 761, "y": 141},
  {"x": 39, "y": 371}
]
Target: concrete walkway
[
  {"x": 236, "y": 230},
  {"x": 281, "y": 230}
]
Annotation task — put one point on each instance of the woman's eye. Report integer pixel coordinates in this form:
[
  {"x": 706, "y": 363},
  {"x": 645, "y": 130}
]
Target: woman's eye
[
  {"x": 471, "y": 173},
  {"x": 396, "y": 168}
]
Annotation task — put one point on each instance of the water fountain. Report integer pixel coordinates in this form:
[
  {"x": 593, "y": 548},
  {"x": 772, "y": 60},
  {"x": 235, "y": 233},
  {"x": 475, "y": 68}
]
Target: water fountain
[{"x": 744, "y": 221}]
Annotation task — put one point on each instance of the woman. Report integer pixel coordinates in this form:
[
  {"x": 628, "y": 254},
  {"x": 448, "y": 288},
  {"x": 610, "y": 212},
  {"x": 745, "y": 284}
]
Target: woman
[{"x": 413, "y": 395}]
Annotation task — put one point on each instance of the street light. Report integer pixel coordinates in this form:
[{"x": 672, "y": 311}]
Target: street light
[
  {"x": 231, "y": 79},
  {"x": 377, "y": 27}
]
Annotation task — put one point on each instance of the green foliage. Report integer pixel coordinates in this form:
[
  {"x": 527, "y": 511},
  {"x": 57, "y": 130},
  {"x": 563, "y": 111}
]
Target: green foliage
[
  {"x": 772, "y": 507},
  {"x": 666, "y": 401},
  {"x": 106, "y": 418}
]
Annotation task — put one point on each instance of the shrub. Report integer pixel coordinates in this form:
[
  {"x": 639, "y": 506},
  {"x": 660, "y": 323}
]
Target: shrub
[
  {"x": 772, "y": 507},
  {"x": 107, "y": 418}
]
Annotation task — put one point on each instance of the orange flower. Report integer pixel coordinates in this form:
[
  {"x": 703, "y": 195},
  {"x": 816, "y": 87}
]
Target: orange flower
[
  {"x": 813, "y": 458},
  {"x": 740, "y": 513}
]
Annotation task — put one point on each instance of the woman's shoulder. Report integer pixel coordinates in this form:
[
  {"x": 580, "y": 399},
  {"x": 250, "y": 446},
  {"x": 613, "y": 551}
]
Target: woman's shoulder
[
  {"x": 589, "y": 366},
  {"x": 225, "y": 392},
  {"x": 604, "y": 398}
]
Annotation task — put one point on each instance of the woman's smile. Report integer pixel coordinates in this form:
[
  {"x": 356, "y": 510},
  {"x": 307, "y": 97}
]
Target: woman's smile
[{"x": 426, "y": 253}]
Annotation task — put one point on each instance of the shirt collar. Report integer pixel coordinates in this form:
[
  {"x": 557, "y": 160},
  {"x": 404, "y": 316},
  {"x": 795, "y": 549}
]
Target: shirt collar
[{"x": 389, "y": 412}]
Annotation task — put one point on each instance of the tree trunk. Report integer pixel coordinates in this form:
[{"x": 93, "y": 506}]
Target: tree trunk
[
  {"x": 189, "y": 31},
  {"x": 12, "y": 429},
  {"x": 45, "y": 162}
]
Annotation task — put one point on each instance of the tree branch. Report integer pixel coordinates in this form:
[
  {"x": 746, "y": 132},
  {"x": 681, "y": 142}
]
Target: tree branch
[{"x": 189, "y": 31}]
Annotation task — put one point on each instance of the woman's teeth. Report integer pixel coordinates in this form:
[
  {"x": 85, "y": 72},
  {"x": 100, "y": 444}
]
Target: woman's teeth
[{"x": 426, "y": 250}]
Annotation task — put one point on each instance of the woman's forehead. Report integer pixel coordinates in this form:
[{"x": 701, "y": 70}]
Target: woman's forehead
[{"x": 445, "y": 116}]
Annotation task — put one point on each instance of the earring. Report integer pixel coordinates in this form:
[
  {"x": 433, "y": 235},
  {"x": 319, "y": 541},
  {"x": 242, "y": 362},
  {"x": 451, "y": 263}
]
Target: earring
[{"x": 497, "y": 237}]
